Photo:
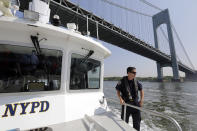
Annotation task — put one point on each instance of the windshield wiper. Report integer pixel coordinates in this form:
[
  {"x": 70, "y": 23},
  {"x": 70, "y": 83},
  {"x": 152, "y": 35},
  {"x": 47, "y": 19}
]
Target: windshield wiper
[
  {"x": 36, "y": 44},
  {"x": 87, "y": 56}
]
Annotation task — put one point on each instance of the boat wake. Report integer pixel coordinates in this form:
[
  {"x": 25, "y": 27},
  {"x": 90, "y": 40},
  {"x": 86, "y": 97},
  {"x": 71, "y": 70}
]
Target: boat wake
[{"x": 144, "y": 126}]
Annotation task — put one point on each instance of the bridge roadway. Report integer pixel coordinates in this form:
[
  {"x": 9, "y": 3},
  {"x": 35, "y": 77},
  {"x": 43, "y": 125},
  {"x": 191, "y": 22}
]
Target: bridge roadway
[{"x": 107, "y": 32}]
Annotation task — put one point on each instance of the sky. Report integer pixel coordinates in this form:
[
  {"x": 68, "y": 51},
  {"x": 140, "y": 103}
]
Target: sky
[{"x": 183, "y": 17}]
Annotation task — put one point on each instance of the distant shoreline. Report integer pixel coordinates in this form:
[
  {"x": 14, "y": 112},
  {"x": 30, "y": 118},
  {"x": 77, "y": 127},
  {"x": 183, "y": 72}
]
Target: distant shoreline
[{"x": 150, "y": 79}]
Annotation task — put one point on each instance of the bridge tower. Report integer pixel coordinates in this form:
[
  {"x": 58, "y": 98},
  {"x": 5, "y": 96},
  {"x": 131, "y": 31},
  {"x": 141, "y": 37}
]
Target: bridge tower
[{"x": 164, "y": 18}]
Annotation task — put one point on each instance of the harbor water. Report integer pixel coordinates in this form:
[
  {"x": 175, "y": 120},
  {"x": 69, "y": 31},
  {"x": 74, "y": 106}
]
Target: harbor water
[{"x": 178, "y": 100}]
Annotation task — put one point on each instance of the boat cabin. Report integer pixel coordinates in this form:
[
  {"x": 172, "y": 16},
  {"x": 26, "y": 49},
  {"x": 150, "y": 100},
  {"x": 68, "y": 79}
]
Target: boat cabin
[{"x": 48, "y": 74}]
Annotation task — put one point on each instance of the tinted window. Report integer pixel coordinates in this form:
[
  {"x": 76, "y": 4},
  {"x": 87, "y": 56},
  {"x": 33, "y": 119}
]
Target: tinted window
[
  {"x": 85, "y": 73},
  {"x": 21, "y": 69}
]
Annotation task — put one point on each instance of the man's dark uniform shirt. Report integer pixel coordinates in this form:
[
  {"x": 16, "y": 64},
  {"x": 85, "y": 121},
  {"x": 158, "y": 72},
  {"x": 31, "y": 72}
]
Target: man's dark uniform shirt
[{"x": 124, "y": 93}]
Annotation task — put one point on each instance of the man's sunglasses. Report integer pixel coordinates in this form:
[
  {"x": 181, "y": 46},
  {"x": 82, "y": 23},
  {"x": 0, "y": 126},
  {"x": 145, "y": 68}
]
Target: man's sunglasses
[{"x": 133, "y": 72}]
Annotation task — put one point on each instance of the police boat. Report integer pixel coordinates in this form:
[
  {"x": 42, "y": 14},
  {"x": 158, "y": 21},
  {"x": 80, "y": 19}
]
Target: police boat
[{"x": 51, "y": 78}]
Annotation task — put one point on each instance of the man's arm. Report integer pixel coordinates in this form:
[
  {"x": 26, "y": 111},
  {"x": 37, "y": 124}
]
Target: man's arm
[
  {"x": 119, "y": 96},
  {"x": 141, "y": 98},
  {"x": 118, "y": 90}
]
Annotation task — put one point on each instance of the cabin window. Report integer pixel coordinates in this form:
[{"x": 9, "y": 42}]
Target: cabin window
[
  {"x": 22, "y": 70},
  {"x": 85, "y": 73}
]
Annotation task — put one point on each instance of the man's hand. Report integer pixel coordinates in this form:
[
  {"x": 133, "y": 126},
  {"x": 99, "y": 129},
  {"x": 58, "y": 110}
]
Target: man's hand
[
  {"x": 141, "y": 103},
  {"x": 141, "y": 98},
  {"x": 121, "y": 101}
]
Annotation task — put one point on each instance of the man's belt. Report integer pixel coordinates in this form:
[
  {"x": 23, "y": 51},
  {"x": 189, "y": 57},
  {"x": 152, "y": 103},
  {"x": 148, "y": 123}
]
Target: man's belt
[{"x": 131, "y": 100}]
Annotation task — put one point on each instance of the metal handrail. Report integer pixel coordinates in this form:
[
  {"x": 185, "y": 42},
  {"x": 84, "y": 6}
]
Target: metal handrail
[{"x": 178, "y": 127}]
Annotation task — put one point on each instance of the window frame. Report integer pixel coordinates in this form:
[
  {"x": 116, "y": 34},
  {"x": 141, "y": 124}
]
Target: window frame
[
  {"x": 50, "y": 47},
  {"x": 68, "y": 74}
]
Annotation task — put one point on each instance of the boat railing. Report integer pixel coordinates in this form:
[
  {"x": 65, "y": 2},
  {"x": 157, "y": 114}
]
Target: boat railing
[{"x": 178, "y": 127}]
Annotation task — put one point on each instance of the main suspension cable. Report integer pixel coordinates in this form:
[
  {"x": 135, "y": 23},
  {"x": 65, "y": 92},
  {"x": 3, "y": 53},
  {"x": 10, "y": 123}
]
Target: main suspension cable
[
  {"x": 181, "y": 43},
  {"x": 125, "y": 8},
  {"x": 151, "y": 5}
]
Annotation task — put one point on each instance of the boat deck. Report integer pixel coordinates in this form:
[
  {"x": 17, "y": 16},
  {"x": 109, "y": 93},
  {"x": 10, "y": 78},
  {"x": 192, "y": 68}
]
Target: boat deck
[{"x": 103, "y": 122}]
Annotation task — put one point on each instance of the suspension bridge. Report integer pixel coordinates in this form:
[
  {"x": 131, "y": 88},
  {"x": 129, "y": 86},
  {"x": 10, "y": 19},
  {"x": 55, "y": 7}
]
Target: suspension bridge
[{"x": 134, "y": 25}]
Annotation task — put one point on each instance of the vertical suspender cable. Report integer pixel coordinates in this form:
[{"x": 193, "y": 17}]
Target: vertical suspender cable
[
  {"x": 111, "y": 13},
  {"x": 87, "y": 27},
  {"x": 97, "y": 30},
  {"x": 140, "y": 33},
  {"x": 126, "y": 16},
  {"x": 121, "y": 18},
  {"x": 150, "y": 33},
  {"x": 77, "y": 18},
  {"x": 147, "y": 31}
]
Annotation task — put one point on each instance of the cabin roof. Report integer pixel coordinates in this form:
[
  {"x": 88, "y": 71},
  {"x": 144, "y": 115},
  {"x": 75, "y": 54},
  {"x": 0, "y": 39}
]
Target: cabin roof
[{"x": 57, "y": 31}]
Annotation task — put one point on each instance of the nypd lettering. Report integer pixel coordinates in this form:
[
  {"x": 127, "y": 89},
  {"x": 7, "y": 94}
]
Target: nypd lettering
[{"x": 24, "y": 108}]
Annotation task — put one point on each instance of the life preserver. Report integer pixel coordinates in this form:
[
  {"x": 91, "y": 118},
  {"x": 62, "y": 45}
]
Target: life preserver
[{"x": 126, "y": 83}]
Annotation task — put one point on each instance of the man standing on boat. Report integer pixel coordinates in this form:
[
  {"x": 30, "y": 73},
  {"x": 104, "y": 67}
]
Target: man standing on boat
[{"x": 127, "y": 91}]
